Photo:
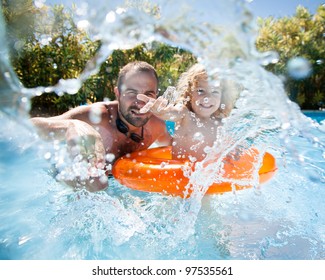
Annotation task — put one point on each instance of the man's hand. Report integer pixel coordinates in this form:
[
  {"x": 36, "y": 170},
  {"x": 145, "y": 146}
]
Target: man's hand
[
  {"x": 86, "y": 146},
  {"x": 84, "y": 163},
  {"x": 84, "y": 141}
]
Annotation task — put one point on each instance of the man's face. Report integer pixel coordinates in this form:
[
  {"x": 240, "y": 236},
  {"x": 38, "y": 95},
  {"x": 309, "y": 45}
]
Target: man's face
[{"x": 133, "y": 84}]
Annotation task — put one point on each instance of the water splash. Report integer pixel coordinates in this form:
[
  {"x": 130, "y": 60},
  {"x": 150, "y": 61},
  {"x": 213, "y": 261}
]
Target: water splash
[{"x": 265, "y": 222}]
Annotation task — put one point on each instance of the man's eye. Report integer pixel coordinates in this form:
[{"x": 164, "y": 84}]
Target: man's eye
[
  {"x": 151, "y": 94},
  {"x": 130, "y": 92},
  {"x": 216, "y": 92}
]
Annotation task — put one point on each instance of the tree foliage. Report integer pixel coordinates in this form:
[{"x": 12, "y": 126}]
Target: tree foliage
[
  {"x": 20, "y": 17},
  {"x": 50, "y": 47},
  {"x": 301, "y": 35},
  {"x": 57, "y": 49}
]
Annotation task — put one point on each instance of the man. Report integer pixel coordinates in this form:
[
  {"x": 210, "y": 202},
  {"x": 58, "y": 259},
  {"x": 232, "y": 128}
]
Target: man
[{"x": 104, "y": 131}]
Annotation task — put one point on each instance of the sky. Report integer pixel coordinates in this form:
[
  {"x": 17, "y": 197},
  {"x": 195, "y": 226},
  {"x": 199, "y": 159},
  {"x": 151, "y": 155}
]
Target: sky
[
  {"x": 262, "y": 8},
  {"x": 281, "y": 8}
]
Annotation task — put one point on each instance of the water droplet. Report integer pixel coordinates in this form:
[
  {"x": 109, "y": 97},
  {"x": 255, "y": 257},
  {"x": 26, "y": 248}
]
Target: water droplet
[
  {"x": 110, "y": 157},
  {"x": 70, "y": 86},
  {"x": 24, "y": 99},
  {"x": 301, "y": 158},
  {"x": 39, "y": 3},
  {"x": 47, "y": 155},
  {"x": 95, "y": 115},
  {"x": 120, "y": 11},
  {"x": 269, "y": 57},
  {"x": 285, "y": 125},
  {"x": 192, "y": 159},
  {"x": 83, "y": 24},
  {"x": 23, "y": 240},
  {"x": 45, "y": 40},
  {"x": 299, "y": 68},
  {"x": 198, "y": 136},
  {"x": 103, "y": 179},
  {"x": 110, "y": 17}
]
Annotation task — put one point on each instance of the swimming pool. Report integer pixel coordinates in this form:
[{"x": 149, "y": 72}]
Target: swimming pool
[
  {"x": 318, "y": 116},
  {"x": 281, "y": 219}
]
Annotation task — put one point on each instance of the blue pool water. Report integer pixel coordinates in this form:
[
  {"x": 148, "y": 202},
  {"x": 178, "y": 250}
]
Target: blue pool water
[
  {"x": 318, "y": 116},
  {"x": 284, "y": 218}
]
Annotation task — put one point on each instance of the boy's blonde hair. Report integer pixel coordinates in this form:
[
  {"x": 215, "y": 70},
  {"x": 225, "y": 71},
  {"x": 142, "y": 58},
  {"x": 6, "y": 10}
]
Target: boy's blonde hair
[{"x": 188, "y": 82}]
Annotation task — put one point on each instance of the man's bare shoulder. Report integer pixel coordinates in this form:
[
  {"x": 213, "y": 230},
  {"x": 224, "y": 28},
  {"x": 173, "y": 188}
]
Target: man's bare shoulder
[
  {"x": 108, "y": 106},
  {"x": 105, "y": 106},
  {"x": 83, "y": 112}
]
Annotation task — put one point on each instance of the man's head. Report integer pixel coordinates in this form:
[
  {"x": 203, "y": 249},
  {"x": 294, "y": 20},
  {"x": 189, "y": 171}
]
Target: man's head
[
  {"x": 136, "y": 66},
  {"x": 135, "y": 78}
]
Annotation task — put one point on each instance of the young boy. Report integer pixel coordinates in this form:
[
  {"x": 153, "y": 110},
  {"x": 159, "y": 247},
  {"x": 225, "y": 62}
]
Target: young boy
[{"x": 197, "y": 112}]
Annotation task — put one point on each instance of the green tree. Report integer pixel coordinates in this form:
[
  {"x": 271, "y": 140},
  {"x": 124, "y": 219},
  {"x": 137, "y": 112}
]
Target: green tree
[
  {"x": 20, "y": 17},
  {"x": 301, "y": 35},
  {"x": 57, "y": 49},
  {"x": 169, "y": 61}
]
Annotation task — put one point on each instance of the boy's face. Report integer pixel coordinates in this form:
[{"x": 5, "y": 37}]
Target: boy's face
[{"x": 205, "y": 99}]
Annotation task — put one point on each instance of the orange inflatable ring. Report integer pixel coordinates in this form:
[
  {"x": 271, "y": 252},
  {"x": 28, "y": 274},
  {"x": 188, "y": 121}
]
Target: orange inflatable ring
[{"x": 154, "y": 170}]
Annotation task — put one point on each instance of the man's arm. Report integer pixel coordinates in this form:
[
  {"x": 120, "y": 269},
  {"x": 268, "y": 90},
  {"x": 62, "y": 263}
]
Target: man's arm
[
  {"x": 53, "y": 128},
  {"x": 83, "y": 141},
  {"x": 76, "y": 133},
  {"x": 57, "y": 127}
]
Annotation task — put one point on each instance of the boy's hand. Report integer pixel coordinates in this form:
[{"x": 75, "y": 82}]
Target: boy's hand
[{"x": 156, "y": 106}]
